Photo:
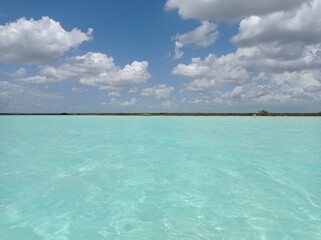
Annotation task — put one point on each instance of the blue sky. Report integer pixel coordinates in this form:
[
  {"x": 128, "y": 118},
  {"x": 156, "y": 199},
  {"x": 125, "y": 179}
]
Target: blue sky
[{"x": 160, "y": 56}]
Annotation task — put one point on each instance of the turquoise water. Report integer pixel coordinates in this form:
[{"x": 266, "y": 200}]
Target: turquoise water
[{"x": 76, "y": 177}]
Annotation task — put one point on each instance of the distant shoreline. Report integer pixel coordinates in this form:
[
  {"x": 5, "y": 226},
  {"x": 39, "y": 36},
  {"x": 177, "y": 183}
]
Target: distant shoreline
[{"x": 167, "y": 114}]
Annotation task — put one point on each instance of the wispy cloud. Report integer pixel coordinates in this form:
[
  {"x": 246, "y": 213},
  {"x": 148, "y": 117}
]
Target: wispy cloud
[
  {"x": 202, "y": 36},
  {"x": 159, "y": 92}
]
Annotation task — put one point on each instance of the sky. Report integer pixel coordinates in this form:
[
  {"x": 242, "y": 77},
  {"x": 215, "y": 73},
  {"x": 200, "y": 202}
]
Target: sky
[{"x": 160, "y": 56}]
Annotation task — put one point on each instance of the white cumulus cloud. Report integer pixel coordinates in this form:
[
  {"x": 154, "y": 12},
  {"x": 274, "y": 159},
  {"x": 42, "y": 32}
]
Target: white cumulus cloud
[
  {"x": 133, "y": 73},
  {"x": 224, "y": 69},
  {"x": 35, "y": 41},
  {"x": 93, "y": 69},
  {"x": 272, "y": 57},
  {"x": 201, "y": 85},
  {"x": 300, "y": 26},
  {"x": 278, "y": 58},
  {"x": 230, "y": 10},
  {"x": 282, "y": 41}
]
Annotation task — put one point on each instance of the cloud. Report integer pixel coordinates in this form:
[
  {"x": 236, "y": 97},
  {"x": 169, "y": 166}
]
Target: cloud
[
  {"x": 299, "y": 26},
  {"x": 283, "y": 87},
  {"x": 276, "y": 88},
  {"x": 93, "y": 69},
  {"x": 133, "y": 73},
  {"x": 113, "y": 94},
  {"x": 278, "y": 60},
  {"x": 178, "y": 50},
  {"x": 37, "y": 41},
  {"x": 296, "y": 88},
  {"x": 129, "y": 103},
  {"x": 224, "y": 69},
  {"x": 168, "y": 104},
  {"x": 201, "y": 101},
  {"x": 201, "y": 85},
  {"x": 279, "y": 81},
  {"x": 159, "y": 92},
  {"x": 14, "y": 96},
  {"x": 281, "y": 41},
  {"x": 272, "y": 57},
  {"x": 21, "y": 72},
  {"x": 116, "y": 102},
  {"x": 229, "y": 10},
  {"x": 298, "y": 84},
  {"x": 202, "y": 36},
  {"x": 133, "y": 90}
]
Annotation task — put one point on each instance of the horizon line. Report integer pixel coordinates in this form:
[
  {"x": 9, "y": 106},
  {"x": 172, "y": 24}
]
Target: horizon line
[{"x": 165, "y": 113}]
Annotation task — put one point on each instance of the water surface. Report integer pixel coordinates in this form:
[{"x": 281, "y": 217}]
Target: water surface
[{"x": 78, "y": 177}]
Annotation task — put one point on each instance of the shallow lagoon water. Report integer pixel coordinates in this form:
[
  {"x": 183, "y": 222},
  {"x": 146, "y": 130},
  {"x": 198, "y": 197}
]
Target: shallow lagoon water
[{"x": 78, "y": 177}]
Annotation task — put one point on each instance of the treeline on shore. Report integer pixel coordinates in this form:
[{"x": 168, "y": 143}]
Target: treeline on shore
[{"x": 260, "y": 113}]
